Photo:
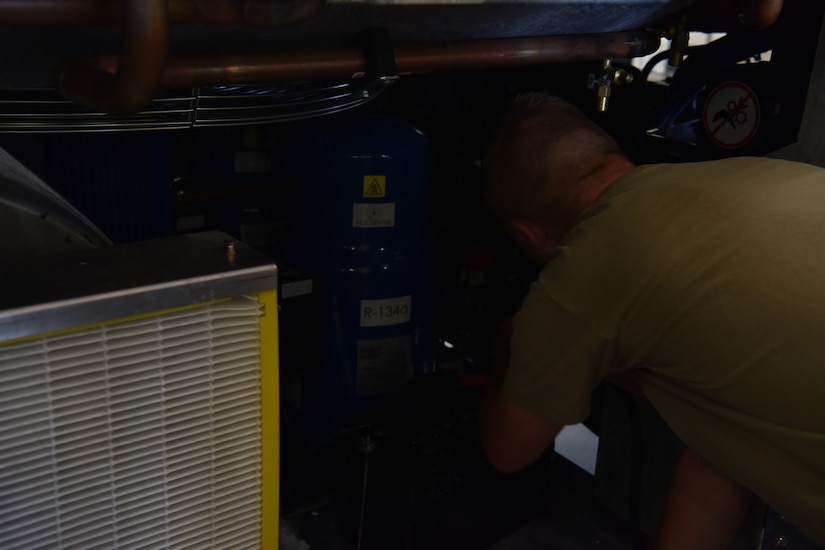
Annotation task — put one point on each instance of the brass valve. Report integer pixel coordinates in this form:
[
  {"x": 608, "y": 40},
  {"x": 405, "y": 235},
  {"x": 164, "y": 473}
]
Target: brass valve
[
  {"x": 678, "y": 44},
  {"x": 604, "y": 84}
]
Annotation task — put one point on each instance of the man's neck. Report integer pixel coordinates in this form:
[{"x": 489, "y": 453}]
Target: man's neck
[
  {"x": 602, "y": 177},
  {"x": 592, "y": 186}
]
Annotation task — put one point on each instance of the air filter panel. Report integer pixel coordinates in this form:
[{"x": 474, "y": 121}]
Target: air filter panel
[{"x": 145, "y": 431}]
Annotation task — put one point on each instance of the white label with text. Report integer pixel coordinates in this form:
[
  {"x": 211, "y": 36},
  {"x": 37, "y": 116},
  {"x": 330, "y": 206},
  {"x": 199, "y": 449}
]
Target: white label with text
[
  {"x": 380, "y": 313},
  {"x": 373, "y": 214}
]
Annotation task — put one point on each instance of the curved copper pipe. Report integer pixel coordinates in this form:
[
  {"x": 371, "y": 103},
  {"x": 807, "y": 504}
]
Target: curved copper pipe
[
  {"x": 185, "y": 71},
  {"x": 139, "y": 66}
]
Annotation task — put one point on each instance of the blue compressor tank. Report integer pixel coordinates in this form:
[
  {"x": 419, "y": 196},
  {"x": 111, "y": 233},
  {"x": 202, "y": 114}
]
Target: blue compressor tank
[{"x": 358, "y": 219}]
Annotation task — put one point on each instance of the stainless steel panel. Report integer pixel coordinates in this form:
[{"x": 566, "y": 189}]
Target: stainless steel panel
[{"x": 83, "y": 287}]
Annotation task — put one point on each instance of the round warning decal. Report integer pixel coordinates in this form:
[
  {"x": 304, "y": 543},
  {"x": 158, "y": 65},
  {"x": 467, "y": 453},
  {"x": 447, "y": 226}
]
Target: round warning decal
[{"x": 731, "y": 115}]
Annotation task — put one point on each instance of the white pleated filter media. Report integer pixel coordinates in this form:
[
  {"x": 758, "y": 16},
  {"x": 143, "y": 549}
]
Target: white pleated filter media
[{"x": 136, "y": 434}]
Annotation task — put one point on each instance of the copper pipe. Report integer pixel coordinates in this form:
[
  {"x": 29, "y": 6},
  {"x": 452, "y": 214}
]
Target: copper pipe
[
  {"x": 139, "y": 66},
  {"x": 189, "y": 71},
  {"x": 99, "y": 12},
  {"x": 516, "y": 52},
  {"x": 88, "y": 79},
  {"x": 185, "y": 71}
]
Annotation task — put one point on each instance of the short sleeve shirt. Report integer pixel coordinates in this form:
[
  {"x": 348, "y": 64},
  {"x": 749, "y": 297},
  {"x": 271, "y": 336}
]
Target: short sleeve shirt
[{"x": 706, "y": 281}]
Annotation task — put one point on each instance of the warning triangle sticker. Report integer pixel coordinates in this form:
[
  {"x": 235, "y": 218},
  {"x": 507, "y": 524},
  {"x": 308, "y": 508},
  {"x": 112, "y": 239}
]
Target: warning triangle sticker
[
  {"x": 374, "y": 189},
  {"x": 375, "y": 186}
]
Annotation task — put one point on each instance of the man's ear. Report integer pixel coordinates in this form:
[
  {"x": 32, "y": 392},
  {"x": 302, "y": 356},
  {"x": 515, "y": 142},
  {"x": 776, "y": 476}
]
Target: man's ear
[{"x": 533, "y": 238}]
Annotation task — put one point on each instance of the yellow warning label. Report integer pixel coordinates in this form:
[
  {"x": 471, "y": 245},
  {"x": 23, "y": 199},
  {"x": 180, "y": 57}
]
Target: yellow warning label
[{"x": 375, "y": 186}]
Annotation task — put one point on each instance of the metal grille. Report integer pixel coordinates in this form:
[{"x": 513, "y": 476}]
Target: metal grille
[
  {"x": 45, "y": 111},
  {"x": 136, "y": 434}
]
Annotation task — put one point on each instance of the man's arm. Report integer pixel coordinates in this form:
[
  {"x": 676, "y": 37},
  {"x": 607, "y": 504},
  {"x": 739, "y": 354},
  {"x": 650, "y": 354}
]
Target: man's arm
[
  {"x": 512, "y": 436},
  {"x": 704, "y": 508}
]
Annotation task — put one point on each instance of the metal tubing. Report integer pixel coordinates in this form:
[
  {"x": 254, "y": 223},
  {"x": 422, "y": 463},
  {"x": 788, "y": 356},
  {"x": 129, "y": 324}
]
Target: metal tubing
[
  {"x": 90, "y": 80},
  {"x": 189, "y": 71},
  {"x": 515, "y": 52},
  {"x": 139, "y": 66},
  {"x": 200, "y": 70}
]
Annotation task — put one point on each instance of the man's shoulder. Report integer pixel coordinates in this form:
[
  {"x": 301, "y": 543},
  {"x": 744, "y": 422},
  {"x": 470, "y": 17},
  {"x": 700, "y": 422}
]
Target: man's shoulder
[
  {"x": 724, "y": 165},
  {"x": 736, "y": 174}
]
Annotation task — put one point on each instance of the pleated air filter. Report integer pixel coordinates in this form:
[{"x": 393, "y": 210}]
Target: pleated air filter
[{"x": 139, "y": 398}]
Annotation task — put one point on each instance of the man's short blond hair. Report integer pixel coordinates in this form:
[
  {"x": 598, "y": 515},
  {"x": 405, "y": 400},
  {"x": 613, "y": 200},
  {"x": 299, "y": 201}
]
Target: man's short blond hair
[{"x": 543, "y": 149}]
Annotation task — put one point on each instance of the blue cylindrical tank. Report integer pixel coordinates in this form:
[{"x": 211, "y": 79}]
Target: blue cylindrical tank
[{"x": 357, "y": 217}]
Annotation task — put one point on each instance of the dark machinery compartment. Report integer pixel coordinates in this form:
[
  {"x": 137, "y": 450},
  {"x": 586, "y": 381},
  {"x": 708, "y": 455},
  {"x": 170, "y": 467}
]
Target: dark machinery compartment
[{"x": 405, "y": 471}]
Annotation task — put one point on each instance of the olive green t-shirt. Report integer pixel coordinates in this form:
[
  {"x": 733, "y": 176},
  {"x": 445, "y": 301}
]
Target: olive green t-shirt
[{"x": 707, "y": 281}]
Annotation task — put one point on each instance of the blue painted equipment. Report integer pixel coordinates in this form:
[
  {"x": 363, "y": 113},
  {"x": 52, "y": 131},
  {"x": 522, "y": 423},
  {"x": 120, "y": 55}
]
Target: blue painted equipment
[{"x": 357, "y": 217}]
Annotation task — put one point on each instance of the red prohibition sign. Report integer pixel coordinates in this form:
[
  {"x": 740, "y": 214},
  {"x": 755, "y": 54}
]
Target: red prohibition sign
[{"x": 731, "y": 115}]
